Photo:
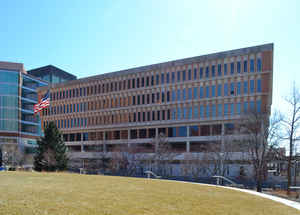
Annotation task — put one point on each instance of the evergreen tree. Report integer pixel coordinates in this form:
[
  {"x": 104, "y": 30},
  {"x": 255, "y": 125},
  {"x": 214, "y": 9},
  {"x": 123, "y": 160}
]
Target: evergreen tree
[{"x": 51, "y": 151}]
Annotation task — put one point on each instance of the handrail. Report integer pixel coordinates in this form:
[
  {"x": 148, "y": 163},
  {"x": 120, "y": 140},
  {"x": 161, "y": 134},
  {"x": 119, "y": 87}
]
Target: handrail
[
  {"x": 226, "y": 179},
  {"x": 149, "y": 173}
]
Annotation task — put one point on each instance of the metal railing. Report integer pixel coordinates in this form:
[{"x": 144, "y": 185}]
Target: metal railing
[{"x": 149, "y": 173}]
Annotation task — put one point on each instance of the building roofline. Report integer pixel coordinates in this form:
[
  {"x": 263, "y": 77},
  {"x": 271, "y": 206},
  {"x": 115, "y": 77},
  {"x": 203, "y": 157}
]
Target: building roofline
[
  {"x": 56, "y": 69},
  {"x": 178, "y": 62}
]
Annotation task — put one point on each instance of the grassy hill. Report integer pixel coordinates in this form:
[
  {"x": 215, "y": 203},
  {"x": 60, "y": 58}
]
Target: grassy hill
[{"x": 61, "y": 193}]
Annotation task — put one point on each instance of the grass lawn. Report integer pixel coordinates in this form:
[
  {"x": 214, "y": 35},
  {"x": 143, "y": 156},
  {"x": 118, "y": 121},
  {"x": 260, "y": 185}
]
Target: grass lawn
[{"x": 61, "y": 193}]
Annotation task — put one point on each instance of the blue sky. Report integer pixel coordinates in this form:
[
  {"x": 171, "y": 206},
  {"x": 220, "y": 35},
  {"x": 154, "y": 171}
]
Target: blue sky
[{"x": 93, "y": 37}]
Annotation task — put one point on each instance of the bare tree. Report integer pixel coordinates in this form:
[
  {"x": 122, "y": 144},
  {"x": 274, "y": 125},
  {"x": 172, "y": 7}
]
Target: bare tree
[
  {"x": 261, "y": 139},
  {"x": 13, "y": 155},
  {"x": 291, "y": 125}
]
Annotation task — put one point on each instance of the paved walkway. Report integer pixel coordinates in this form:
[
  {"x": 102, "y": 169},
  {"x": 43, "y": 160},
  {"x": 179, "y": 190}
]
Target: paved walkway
[{"x": 290, "y": 203}]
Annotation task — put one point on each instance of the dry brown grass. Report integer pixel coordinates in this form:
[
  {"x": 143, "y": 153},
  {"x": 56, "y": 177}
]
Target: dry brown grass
[{"x": 61, "y": 193}]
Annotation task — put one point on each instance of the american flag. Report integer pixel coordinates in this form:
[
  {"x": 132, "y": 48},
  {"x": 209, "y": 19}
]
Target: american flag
[{"x": 45, "y": 102}]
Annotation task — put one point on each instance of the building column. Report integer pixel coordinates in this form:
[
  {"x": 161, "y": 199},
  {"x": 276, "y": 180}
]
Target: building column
[
  {"x": 128, "y": 139},
  {"x": 188, "y": 146},
  {"x": 188, "y": 136}
]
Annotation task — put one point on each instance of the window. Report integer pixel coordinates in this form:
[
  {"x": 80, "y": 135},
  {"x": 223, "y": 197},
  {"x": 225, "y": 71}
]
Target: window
[
  {"x": 238, "y": 67},
  {"x": 178, "y": 113},
  {"x": 213, "y": 71},
  {"x": 258, "y": 86},
  {"x": 213, "y": 91},
  {"x": 219, "y": 110},
  {"x": 190, "y": 74},
  {"x": 213, "y": 110},
  {"x": 183, "y": 75},
  {"x": 143, "y": 81},
  {"x": 195, "y": 111},
  {"x": 168, "y": 96},
  {"x": 219, "y": 89},
  {"x": 178, "y": 76},
  {"x": 225, "y": 109},
  {"x": 183, "y": 94},
  {"x": 190, "y": 113},
  {"x": 162, "y": 96},
  {"x": 245, "y": 66},
  {"x": 238, "y": 91},
  {"x": 182, "y": 131},
  {"x": 147, "y": 81},
  {"x": 133, "y": 83},
  {"x": 168, "y": 78},
  {"x": 174, "y": 113},
  {"x": 207, "y": 111},
  {"x": 201, "y": 92},
  {"x": 133, "y": 100},
  {"x": 232, "y": 109},
  {"x": 162, "y": 78},
  {"x": 245, "y": 107},
  {"x": 258, "y": 67},
  {"x": 195, "y": 92},
  {"x": 201, "y": 111},
  {"x": 207, "y": 91},
  {"x": 190, "y": 94},
  {"x": 238, "y": 108},
  {"x": 252, "y": 107},
  {"x": 173, "y": 95},
  {"x": 245, "y": 87},
  {"x": 201, "y": 73},
  {"x": 178, "y": 95},
  {"x": 173, "y": 77},
  {"x": 152, "y": 80},
  {"x": 219, "y": 70},
  {"x": 157, "y": 79},
  {"x": 252, "y": 65},
  {"x": 231, "y": 88},
  {"x": 184, "y": 113},
  {"x": 195, "y": 73},
  {"x": 225, "y": 69},
  {"x": 225, "y": 89},
  {"x": 251, "y": 86},
  {"x": 258, "y": 106},
  {"x": 232, "y": 68},
  {"x": 207, "y": 72},
  {"x": 157, "y": 97}
]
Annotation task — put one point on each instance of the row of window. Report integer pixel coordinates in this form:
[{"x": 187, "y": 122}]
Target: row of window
[
  {"x": 179, "y": 113},
  {"x": 163, "y": 78},
  {"x": 229, "y": 89}
]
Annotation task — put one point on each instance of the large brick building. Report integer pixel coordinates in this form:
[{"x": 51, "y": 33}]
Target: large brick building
[{"x": 193, "y": 101}]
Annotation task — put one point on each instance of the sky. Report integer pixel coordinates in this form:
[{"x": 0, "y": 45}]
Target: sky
[{"x": 89, "y": 38}]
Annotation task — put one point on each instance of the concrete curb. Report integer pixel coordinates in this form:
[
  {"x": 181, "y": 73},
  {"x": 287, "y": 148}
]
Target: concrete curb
[{"x": 289, "y": 203}]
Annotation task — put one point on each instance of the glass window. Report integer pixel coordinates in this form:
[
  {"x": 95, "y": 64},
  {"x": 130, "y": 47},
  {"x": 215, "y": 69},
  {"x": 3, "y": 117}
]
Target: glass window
[
  {"x": 225, "y": 109},
  {"x": 207, "y": 111},
  {"x": 152, "y": 80},
  {"x": 183, "y": 94},
  {"x": 157, "y": 79},
  {"x": 196, "y": 112},
  {"x": 174, "y": 113},
  {"x": 219, "y": 89},
  {"x": 225, "y": 69},
  {"x": 183, "y": 75},
  {"x": 201, "y": 111},
  {"x": 213, "y": 71},
  {"x": 232, "y": 109},
  {"x": 238, "y": 91},
  {"x": 195, "y": 73},
  {"x": 238, "y": 67},
  {"x": 245, "y": 66},
  {"x": 245, "y": 87},
  {"x": 207, "y": 91},
  {"x": 178, "y": 113},
  {"x": 251, "y": 86},
  {"x": 232, "y": 68},
  {"x": 213, "y": 110},
  {"x": 173, "y": 95},
  {"x": 219, "y": 70},
  {"x": 190, "y": 114},
  {"x": 252, "y": 107},
  {"x": 194, "y": 131},
  {"x": 201, "y": 92},
  {"x": 168, "y": 78},
  {"x": 207, "y": 72},
  {"x": 173, "y": 77},
  {"x": 258, "y": 65},
  {"x": 258, "y": 85},
  {"x": 190, "y": 74},
  {"x": 251, "y": 65},
  {"x": 162, "y": 79},
  {"x": 178, "y": 95},
  {"x": 213, "y": 91},
  {"x": 245, "y": 107},
  {"x": 195, "y": 92},
  {"x": 201, "y": 73},
  {"x": 182, "y": 131},
  {"x": 168, "y": 96},
  {"x": 231, "y": 88},
  {"x": 147, "y": 81},
  {"x": 219, "y": 110},
  {"x": 184, "y": 113},
  {"x": 225, "y": 89},
  {"x": 190, "y": 93},
  {"x": 178, "y": 76},
  {"x": 238, "y": 108},
  {"x": 258, "y": 106}
]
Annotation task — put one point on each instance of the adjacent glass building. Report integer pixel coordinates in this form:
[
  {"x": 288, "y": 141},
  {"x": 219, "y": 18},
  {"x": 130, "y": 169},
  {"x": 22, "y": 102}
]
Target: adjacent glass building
[{"x": 18, "y": 124}]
